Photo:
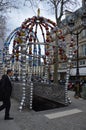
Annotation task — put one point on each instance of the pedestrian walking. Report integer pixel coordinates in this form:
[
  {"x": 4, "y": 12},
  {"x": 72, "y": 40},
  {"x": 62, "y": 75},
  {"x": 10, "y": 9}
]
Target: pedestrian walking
[
  {"x": 77, "y": 89},
  {"x": 6, "y": 94}
]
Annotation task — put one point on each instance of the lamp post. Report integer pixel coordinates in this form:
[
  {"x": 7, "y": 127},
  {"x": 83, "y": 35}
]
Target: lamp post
[{"x": 77, "y": 54}]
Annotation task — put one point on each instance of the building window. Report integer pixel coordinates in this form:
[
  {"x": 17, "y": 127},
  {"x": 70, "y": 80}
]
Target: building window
[
  {"x": 82, "y": 62},
  {"x": 83, "y": 34},
  {"x": 74, "y": 63},
  {"x": 83, "y": 50},
  {"x": 64, "y": 65}
]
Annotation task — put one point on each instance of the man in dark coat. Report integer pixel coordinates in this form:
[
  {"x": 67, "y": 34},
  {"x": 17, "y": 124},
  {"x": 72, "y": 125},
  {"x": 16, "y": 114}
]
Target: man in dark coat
[{"x": 7, "y": 90}]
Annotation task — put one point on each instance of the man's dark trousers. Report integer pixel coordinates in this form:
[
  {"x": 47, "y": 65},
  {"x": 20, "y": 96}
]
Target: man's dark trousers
[{"x": 6, "y": 105}]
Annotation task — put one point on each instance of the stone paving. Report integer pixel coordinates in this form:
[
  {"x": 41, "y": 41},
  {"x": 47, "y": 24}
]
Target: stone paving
[{"x": 31, "y": 120}]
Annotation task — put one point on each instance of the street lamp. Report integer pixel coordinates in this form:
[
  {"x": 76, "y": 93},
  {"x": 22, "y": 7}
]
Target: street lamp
[
  {"x": 71, "y": 24},
  {"x": 77, "y": 54}
]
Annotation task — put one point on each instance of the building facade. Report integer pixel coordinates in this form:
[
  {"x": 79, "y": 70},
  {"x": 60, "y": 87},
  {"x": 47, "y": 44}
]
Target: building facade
[{"x": 79, "y": 35}]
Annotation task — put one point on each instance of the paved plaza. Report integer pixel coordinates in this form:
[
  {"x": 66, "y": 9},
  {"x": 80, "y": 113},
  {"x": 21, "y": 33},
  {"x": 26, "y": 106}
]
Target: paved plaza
[{"x": 72, "y": 117}]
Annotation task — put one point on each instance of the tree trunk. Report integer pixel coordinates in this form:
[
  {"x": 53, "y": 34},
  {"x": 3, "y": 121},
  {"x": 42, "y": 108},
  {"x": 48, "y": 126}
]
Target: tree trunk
[{"x": 56, "y": 64}]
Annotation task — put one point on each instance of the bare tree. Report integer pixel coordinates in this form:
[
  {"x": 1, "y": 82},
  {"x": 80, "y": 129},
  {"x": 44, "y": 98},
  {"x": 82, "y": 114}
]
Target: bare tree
[
  {"x": 2, "y": 30},
  {"x": 7, "y": 4},
  {"x": 57, "y": 6}
]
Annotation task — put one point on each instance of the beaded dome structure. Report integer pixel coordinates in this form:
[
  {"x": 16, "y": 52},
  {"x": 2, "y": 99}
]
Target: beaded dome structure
[{"x": 34, "y": 49}]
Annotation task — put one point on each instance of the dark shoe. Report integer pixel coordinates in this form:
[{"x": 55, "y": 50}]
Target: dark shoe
[{"x": 8, "y": 118}]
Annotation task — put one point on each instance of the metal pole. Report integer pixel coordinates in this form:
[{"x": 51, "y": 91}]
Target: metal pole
[
  {"x": 77, "y": 58},
  {"x": 77, "y": 55}
]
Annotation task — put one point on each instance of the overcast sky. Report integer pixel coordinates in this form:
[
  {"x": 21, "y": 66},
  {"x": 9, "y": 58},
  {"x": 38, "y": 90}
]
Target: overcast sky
[{"x": 16, "y": 17}]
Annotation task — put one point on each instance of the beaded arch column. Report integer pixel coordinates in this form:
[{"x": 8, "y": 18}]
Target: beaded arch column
[
  {"x": 7, "y": 56},
  {"x": 23, "y": 62},
  {"x": 1, "y": 63},
  {"x": 30, "y": 78},
  {"x": 31, "y": 89},
  {"x": 70, "y": 56}
]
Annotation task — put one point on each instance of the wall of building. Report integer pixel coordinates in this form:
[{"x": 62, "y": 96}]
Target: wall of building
[{"x": 81, "y": 48}]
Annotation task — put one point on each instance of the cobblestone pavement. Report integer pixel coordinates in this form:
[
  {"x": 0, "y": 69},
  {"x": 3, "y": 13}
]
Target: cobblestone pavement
[{"x": 72, "y": 117}]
